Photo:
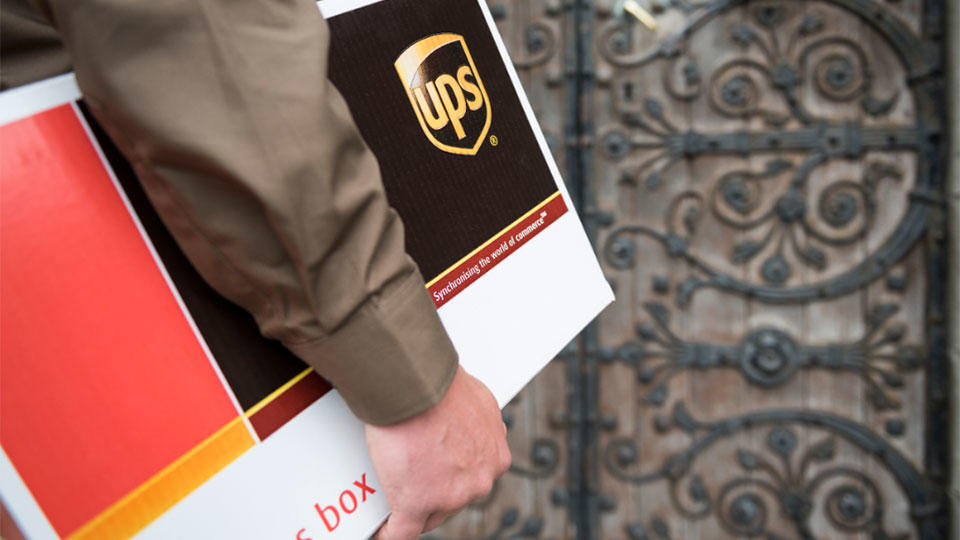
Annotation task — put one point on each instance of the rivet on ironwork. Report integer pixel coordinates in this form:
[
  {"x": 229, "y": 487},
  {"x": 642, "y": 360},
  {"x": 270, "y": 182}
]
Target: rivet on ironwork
[
  {"x": 769, "y": 15},
  {"x": 748, "y": 513},
  {"x": 559, "y": 497},
  {"x": 895, "y": 427},
  {"x": 784, "y": 75},
  {"x": 782, "y": 441},
  {"x": 661, "y": 284},
  {"x": 776, "y": 269},
  {"x": 616, "y": 144},
  {"x": 791, "y": 207},
  {"x": 626, "y": 455}
]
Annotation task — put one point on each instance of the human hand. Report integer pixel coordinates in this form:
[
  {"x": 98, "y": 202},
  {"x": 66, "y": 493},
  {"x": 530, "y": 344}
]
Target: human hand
[{"x": 437, "y": 462}]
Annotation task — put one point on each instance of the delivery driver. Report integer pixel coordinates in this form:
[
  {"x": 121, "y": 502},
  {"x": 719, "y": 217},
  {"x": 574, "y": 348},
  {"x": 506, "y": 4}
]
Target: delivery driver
[{"x": 253, "y": 161}]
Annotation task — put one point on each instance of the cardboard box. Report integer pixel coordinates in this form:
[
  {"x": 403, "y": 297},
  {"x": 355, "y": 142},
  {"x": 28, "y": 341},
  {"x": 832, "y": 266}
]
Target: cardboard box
[{"x": 135, "y": 401}]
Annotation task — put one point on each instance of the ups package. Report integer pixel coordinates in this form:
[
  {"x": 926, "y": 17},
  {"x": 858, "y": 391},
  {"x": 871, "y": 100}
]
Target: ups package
[{"x": 181, "y": 421}]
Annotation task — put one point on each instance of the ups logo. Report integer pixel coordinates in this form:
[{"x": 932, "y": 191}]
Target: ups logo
[{"x": 446, "y": 93}]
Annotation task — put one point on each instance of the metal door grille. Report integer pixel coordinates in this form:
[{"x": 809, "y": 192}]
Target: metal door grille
[{"x": 764, "y": 185}]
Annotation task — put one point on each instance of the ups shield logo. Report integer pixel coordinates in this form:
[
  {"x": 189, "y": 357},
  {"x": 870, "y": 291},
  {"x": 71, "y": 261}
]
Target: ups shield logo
[{"x": 446, "y": 93}]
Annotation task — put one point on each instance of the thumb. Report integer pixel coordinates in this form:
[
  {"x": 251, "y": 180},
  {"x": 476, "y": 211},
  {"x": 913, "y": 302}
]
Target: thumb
[{"x": 401, "y": 526}]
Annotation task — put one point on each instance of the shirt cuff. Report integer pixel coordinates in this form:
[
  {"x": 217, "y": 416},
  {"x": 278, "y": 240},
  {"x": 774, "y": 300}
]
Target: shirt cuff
[{"x": 392, "y": 359}]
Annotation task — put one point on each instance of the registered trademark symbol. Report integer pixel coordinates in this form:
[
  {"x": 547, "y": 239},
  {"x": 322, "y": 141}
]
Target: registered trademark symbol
[{"x": 494, "y": 140}]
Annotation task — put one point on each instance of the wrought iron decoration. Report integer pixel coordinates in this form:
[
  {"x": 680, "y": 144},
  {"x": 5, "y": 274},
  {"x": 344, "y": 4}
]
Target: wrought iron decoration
[
  {"x": 813, "y": 470},
  {"x": 845, "y": 208},
  {"x": 787, "y": 55}
]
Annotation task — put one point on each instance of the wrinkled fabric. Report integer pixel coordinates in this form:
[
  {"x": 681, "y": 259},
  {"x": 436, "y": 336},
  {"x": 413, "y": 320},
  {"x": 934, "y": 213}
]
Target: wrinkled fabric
[{"x": 254, "y": 163}]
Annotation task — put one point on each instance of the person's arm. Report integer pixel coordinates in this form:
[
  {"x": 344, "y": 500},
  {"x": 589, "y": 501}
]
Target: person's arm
[
  {"x": 433, "y": 464},
  {"x": 30, "y": 49},
  {"x": 253, "y": 161}
]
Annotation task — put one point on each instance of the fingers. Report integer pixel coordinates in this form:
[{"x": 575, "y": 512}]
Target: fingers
[
  {"x": 505, "y": 459},
  {"x": 401, "y": 526},
  {"x": 478, "y": 387},
  {"x": 435, "y": 463},
  {"x": 434, "y": 521}
]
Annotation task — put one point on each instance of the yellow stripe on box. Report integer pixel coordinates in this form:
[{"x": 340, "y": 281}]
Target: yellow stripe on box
[
  {"x": 276, "y": 393},
  {"x": 492, "y": 238},
  {"x": 151, "y": 499}
]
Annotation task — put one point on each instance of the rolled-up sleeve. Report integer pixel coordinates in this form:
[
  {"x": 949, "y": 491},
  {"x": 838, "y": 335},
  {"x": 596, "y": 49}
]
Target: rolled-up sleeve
[{"x": 254, "y": 163}]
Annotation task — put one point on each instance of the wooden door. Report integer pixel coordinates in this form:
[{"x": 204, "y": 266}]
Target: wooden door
[{"x": 763, "y": 181}]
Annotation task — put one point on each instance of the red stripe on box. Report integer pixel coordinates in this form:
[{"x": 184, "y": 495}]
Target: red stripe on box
[
  {"x": 460, "y": 276},
  {"x": 102, "y": 381},
  {"x": 291, "y": 402}
]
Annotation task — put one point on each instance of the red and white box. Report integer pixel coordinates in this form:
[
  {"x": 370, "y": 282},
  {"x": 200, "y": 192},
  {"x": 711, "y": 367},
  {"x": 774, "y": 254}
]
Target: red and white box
[{"x": 123, "y": 410}]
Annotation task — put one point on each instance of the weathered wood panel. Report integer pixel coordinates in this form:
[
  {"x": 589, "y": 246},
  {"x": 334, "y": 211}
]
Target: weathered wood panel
[
  {"x": 761, "y": 164},
  {"x": 763, "y": 181}
]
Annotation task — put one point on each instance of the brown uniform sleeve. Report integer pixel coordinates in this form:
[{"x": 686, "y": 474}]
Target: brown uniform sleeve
[
  {"x": 30, "y": 49},
  {"x": 252, "y": 159}
]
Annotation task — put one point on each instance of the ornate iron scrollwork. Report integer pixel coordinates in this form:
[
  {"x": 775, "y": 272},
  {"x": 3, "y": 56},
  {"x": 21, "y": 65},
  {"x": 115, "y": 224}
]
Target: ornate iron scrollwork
[
  {"x": 806, "y": 99},
  {"x": 782, "y": 476},
  {"x": 793, "y": 50},
  {"x": 846, "y": 207},
  {"x": 769, "y": 357}
]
